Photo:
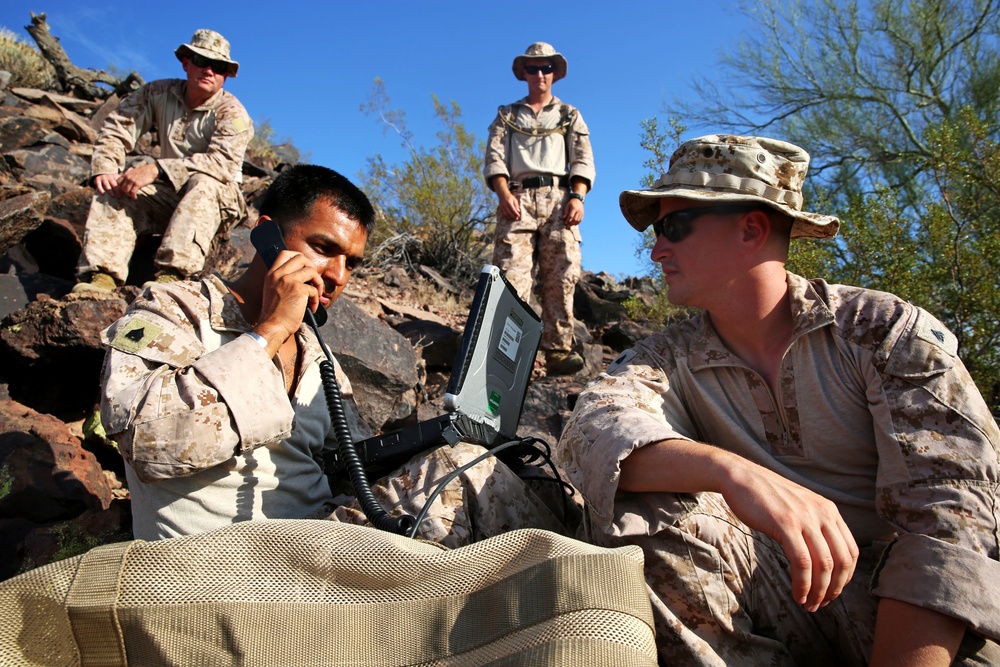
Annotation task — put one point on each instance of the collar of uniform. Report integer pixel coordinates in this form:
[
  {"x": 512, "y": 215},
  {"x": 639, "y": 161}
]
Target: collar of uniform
[
  {"x": 809, "y": 312},
  {"x": 553, "y": 102},
  {"x": 178, "y": 91},
  {"x": 225, "y": 315}
]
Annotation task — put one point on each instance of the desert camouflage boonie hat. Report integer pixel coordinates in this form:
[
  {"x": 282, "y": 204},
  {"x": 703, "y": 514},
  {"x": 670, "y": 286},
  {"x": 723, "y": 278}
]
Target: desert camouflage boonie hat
[
  {"x": 211, "y": 45},
  {"x": 541, "y": 50},
  {"x": 727, "y": 168}
]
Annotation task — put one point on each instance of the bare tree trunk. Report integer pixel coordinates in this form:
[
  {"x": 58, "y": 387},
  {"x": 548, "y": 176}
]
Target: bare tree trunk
[{"x": 72, "y": 78}]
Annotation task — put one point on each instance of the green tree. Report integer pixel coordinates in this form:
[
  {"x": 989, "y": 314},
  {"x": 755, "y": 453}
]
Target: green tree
[
  {"x": 897, "y": 102},
  {"x": 434, "y": 208}
]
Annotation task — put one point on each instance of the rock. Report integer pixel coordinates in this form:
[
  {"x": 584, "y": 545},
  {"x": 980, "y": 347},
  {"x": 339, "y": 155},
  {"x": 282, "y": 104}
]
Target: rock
[
  {"x": 590, "y": 306},
  {"x": 16, "y": 292},
  {"x": 20, "y": 132},
  {"x": 442, "y": 282},
  {"x": 73, "y": 207},
  {"x": 381, "y": 364},
  {"x": 20, "y": 215},
  {"x": 50, "y": 159},
  {"x": 51, "y": 475},
  {"x": 621, "y": 336},
  {"x": 56, "y": 247},
  {"x": 52, "y": 354},
  {"x": 438, "y": 343},
  {"x": 397, "y": 277},
  {"x": 65, "y": 539}
]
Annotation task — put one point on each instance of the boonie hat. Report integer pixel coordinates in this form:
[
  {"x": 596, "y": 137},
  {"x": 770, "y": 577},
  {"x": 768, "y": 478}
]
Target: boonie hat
[
  {"x": 728, "y": 168},
  {"x": 541, "y": 50},
  {"x": 211, "y": 45}
]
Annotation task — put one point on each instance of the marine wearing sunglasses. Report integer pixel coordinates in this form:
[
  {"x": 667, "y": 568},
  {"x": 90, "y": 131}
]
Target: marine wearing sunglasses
[
  {"x": 218, "y": 66},
  {"x": 676, "y": 225}
]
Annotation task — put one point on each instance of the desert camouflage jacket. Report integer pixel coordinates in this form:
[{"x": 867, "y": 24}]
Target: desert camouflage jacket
[
  {"x": 555, "y": 141},
  {"x": 211, "y": 139},
  {"x": 875, "y": 411},
  {"x": 202, "y": 417}
]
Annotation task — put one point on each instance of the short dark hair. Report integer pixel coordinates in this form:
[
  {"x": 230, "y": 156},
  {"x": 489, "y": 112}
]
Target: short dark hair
[{"x": 292, "y": 194}]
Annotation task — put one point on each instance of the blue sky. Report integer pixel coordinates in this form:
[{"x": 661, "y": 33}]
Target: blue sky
[{"x": 308, "y": 66}]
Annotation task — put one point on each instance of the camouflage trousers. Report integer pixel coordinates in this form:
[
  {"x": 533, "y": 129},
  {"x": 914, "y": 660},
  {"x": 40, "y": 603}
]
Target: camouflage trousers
[
  {"x": 187, "y": 219},
  {"x": 721, "y": 595},
  {"x": 540, "y": 240},
  {"x": 484, "y": 501}
]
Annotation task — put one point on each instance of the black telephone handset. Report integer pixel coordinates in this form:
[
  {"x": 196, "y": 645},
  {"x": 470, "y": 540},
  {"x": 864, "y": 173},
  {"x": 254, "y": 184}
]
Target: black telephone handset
[{"x": 268, "y": 241}]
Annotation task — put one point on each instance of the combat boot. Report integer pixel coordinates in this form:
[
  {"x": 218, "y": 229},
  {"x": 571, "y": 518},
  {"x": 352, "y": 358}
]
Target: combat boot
[
  {"x": 558, "y": 362},
  {"x": 96, "y": 282},
  {"x": 164, "y": 276}
]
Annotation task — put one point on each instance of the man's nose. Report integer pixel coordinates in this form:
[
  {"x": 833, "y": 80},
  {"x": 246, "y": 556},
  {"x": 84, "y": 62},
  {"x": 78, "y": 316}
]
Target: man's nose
[
  {"x": 661, "y": 249},
  {"x": 336, "y": 270}
]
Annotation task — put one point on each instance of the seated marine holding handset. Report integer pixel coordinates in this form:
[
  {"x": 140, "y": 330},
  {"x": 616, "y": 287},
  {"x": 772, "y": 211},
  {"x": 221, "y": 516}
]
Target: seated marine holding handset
[{"x": 213, "y": 391}]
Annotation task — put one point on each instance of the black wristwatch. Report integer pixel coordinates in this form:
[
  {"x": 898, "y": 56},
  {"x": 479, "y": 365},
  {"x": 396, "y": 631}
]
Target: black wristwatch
[{"x": 576, "y": 195}]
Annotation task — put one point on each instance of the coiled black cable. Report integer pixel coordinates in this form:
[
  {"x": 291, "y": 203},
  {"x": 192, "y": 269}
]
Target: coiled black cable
[{"x": 348, "y": 455}]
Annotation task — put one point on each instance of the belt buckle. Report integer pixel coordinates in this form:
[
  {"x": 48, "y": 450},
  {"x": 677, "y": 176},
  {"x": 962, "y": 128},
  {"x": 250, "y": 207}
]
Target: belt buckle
[{"x": 514, "y": 186}]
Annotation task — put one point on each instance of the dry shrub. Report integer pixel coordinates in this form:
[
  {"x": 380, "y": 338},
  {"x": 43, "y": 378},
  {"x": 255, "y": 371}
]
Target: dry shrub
[{"x": 26, "y": 65}]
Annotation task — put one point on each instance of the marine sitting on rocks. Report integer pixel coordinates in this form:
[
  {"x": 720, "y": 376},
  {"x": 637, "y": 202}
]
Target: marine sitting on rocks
[
  {"x": 213, "y": 392},
  {"x": 189, "y": 191}
]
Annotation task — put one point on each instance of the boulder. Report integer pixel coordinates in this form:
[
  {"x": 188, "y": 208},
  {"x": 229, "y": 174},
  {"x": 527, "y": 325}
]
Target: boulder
[
  {"x": 52, "y": 354},
  {"x": 381, "y": 363},
  {"x": 19, "y": 215},
  {"x": 17, "y": 291},
  {"x": 21, "y": 132},
  {"x": 50, "y": 475},
  {"x": 438, "y": 343},
  {"x": 50, "y": 159}
]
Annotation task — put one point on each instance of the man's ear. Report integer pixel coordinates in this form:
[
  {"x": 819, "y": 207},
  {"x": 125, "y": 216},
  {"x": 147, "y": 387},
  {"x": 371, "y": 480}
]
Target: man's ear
[
  {"x": 263, "y": 218},
  {"x": 756, "y": 228}
]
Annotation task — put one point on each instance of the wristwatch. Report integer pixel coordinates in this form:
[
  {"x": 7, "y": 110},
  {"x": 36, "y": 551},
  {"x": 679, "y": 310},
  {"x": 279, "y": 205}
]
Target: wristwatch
[{"x": 576, "y": 195}]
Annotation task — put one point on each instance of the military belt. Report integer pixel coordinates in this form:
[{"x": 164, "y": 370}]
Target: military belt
[{"x": 541, "y": 181}]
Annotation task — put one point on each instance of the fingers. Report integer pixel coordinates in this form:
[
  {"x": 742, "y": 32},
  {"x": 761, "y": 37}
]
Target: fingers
[
  {"x": 573, "y": 213},
  {"x": 291, "y": 286},
  {"x": 822, "y": 558}
]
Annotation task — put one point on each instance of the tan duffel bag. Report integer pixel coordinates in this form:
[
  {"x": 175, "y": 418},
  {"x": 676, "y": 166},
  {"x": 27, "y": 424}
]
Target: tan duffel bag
[{"x": 324, "y": 593}]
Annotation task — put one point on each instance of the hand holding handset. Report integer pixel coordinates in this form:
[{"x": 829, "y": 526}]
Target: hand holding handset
[
  {"x": 266, "y": 238},
  {"x": 268, "y": 241}
]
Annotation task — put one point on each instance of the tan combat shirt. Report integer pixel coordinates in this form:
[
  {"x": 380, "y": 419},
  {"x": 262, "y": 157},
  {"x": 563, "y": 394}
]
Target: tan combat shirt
[
  {"x": 211, "y": 139},
  {"x": 201, "y": 415},
  {"x": 876, "y": 412},
  {"x": 515, "y": 155}
]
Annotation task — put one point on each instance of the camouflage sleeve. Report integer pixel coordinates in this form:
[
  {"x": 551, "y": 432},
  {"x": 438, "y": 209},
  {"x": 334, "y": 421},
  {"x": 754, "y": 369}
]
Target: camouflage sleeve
[
  {"x": 223, "y": 159},
  {"x": 581, "y": 155},
  {"x": 937, "y": 476},
  {"x": 174, "y": 408},
  {"x": 121, "y": 130},
  {"x": 628, "y": 407},
  {"x": 495, "y": 163}
]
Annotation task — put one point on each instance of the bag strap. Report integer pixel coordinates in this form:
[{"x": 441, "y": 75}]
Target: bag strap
[{"x": 91, "y": 604}]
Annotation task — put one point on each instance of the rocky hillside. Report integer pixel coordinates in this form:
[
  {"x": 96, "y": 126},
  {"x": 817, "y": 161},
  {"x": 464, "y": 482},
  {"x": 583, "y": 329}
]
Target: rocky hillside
[{"x": 61, "y": 481}]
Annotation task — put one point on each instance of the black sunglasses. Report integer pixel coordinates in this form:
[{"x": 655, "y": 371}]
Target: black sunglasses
[
  {"x": 676, "y": 225},
  {"x": 218, "y": 66},
  {"x": 535, "y": 69}
]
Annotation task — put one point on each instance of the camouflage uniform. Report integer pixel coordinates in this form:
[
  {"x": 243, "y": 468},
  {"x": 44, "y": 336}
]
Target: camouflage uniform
[
  {"x": 183, "y": 394},
  {"x": 876, "y": 413},
  {"x": 201, "y": 159},
  {"x": 541, "y": 231}
]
